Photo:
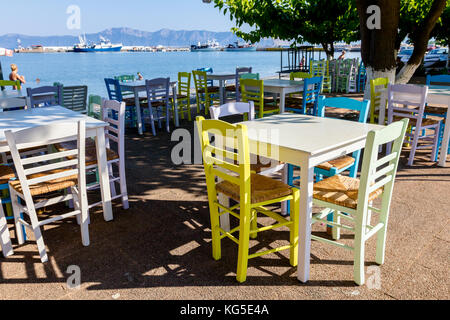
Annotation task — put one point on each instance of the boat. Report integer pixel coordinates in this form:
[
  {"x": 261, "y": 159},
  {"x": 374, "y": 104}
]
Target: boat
[
  {"x": 209, "y": 46},
  {"x": 436, "y": 59},
  {"x": 405, "y": 54},
  {"x": 240, "y": 47},
  {"x": 104, "y": 46}
]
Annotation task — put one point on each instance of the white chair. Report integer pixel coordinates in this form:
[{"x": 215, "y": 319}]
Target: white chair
[
  {"x": 42, "y": 175},
  {"x": 5, "y": 241}
]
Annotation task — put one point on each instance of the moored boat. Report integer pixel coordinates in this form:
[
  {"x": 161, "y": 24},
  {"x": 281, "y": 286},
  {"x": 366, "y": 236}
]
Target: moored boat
[
  {"x": 240, "y": 47},
  {"x": 104, "y": 46},
  {"x": 209, "y": 46}
]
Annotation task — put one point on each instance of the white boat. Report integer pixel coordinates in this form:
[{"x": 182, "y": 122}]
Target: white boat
[
  {"x": 209, "y": 46},
  {"x": 240, "y": 47},
  {"x": 104, "y": 46},
  {"x": 436, "y": 59}
]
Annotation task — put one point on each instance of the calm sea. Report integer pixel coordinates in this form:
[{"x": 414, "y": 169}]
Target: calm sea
[{"x": 91, "y": 68}]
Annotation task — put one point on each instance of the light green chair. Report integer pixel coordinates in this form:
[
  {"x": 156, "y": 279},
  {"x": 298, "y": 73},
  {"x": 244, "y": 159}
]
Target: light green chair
[
  {"x": 351, "y": 198},
  {"x": 95, "y": 106}
]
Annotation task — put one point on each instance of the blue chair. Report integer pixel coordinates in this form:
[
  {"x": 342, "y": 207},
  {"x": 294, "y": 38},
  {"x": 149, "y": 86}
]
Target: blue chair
[
  {"x": 115, "y": 93},
  {"x": 344, "y": 163},
  {"x": 436, "y": 111},
  {"x": 208, "y": 70},
  {"x": 362, "y": 78},
  {"x": 45, "y": 96},
  {"x": 311, "y": 91}
]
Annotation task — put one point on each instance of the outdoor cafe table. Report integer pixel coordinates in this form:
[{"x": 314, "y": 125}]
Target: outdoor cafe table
[
  {"x": 12, "y": 94},
  {"x": 221, "y": 78},
  {"x": 282, "y": 87},
  {"x": 437, "y": 95},
  {"x": 33, "y": 117},
  {"x": 139, "y": 86},
  {"x": 305, "y": 141}
]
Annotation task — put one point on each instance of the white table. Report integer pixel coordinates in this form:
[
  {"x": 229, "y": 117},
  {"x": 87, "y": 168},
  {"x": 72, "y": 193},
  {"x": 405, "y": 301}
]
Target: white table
[
  {"x": 439, "y": 95},
  {"x": 22, "y": 119},
  {"x": 305, "y": 141},
  {"x": 282, "y": 87},
  {"x": 221, "y": 78},
  {"x": 139, "y": 86},
  {"x": 5, "y": 95}
]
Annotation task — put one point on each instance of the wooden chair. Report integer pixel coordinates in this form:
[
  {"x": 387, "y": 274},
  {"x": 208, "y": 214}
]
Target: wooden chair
[
  {"x": 253, "y": 90},
  {"x": 235, "y": 87},
  {"x": 408, "y": 101},
  {"x": 310, "y": 97},
  {"x": 362, "y": 78},
  {"x": 158, "y": 102},
  {"x": 16, "y": 85},
  {"x": 6, "y": 174},
  {"x": 45, "y": 96},
  {"x": 115, "y": 93},
  {"x": 320, "y": 68},
  {"x": 252, "y": 191},
  {"x": 353, "y": 196},
  {"x": 208, "y": 70},
  {"x": 75, "y": 98},
  {"x": 40, "y": 175},
  {"x": 183, "y": 96},
  {"x": 377, "y": 87},
  {"x": 437, "y": 111},
  {"x": 94, "y": 106},
  {"x": 206, "y": 94}
]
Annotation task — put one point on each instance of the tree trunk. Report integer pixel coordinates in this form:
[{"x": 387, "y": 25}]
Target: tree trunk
[
  {"x": 420, "y": 38},
  {"x": 378, "y": 46},
  {"x": 329, "y": 50}
]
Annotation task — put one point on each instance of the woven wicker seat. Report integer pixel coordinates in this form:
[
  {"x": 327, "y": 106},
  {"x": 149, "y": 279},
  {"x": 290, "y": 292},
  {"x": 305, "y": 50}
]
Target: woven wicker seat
[
  {"x": 436, "y": 110},
  {"x": 341, "y": 190},
  {"x": 230, "y": 88},
  {"x": 211, "y": 89},
  {"x": 338, "y": 163},
  {"x": 130, "y": 101},
  {"x": 425, "y": 121},
  {"x": 48, "y": 186},
  {"x": 262, "y": 189},
  {"x": 91, "y": 151},
  {"x": 6, "y": 173}
]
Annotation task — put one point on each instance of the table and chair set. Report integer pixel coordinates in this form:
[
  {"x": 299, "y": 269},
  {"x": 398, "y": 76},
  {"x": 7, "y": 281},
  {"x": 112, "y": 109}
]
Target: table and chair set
[{"x": 285, "y": 122}]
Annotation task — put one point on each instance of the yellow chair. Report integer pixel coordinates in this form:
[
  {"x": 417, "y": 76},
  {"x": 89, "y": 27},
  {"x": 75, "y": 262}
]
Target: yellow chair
[
  {"x": 252, "y": 192},
  {"x": 253, "y": 90},
  {"x": 14, "y": 84},
  {"x": 206, "y": 95},
  {"x": 375, "y": 97},
  {"x": 184, "y": 95},
  {"x": 300, "y": 75}
]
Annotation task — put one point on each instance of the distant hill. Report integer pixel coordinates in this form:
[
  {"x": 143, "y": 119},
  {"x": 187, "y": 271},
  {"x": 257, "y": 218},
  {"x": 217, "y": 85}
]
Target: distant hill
[{"x": 131, "y": 37}]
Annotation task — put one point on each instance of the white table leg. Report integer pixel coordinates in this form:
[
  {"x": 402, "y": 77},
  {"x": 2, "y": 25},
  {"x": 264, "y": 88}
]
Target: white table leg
[
  {"x": 174, "y": 92},
  {"x": 284, "y": 178},
  {"x": 221, "y": 92},
  {"x": 282, "y": 101},
  {"x": 103, "y": 174},
  {"x": 5, "y": 240},
  {"x": 445, "y": 141},
  {"x": 304, "y": 237},
  {"x": 138, "y": 111}
]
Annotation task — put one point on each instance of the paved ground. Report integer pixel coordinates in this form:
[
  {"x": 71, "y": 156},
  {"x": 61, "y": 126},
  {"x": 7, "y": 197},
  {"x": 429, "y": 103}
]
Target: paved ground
[{"x": 161, "y": 249}]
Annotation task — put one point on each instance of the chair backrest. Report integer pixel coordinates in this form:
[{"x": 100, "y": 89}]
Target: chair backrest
[
  {"x": 439, "y": 79},
  {"x": 58, "y": 163},
  {"x": 184, "y": 83},
  {"x": 300, "y": 75},
  {"x": 94, "y": 106},
  {"x": 377, "y": 86},
  {"x": 232, "y": 108},
  {"x": 207, "y": 70},
  {"x": 158, "y": 91},
  {"x": 407, "y": 101},
  {"x": 228, "y": 157},
  {"x": 311, "y": 91},
  {"x": 319, "y": 68},
  {"x": 113, "y": 113},
  {"x": 378, "y": 172},
  {"x": 13, "y": 104},
  {"x": 75, "y": 98},
  {"x": 239, "y": 72},
  {"x": 45, "y": 96},
  {"x": 200, "y": 80},
  {"x": 7, "y": 83},
  {"x": 362, "y": 107},
  {"x": 125, "y": 78},
  {"x": 250, "y": 75},
  {"x": 113, "y": 88},
  {"x": 253, "y": 90}
]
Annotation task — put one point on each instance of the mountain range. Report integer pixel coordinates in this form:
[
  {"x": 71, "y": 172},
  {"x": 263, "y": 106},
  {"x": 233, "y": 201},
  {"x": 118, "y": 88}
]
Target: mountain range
[{"x": 132, "y": 37}]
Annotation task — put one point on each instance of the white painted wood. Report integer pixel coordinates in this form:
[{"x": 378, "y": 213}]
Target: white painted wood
[
  {"x": 5, "y": 240},
  {"x": 221, "y": 78}
]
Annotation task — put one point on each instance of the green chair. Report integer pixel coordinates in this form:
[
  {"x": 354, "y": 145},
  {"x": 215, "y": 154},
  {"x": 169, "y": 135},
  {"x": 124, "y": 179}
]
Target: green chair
[
  {"x": 377, "y": 86},
  {"x": 352, "y": 199},
  {"x": 14, "y": 84},
  {"x": 206, "y": 95},
  {"x": 253, "y": 90},
  {"x": 183, "y": 96},
  {"x": 254, "y": 76},
  {"x": 95, "y": 106}
]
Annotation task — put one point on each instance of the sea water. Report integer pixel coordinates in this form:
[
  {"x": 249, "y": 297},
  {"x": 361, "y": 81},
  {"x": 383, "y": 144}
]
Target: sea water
[{"x": 91, "y": 68}]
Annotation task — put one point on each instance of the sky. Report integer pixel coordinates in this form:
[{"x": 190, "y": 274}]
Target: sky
[{"x": 50, "y": 17}]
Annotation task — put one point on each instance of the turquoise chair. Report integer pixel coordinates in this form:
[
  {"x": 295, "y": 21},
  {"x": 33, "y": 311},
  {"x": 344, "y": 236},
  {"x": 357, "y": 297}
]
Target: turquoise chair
[
  {"x": 438, "y": 112},
  {"x": 339, "y": 165}
]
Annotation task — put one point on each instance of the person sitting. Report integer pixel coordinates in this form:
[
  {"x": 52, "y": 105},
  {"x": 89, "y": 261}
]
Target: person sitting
[
  {"x": 342, "y": 56},
  {"x": 140, "y": 77},
  {"x": 14, "y": 75}
]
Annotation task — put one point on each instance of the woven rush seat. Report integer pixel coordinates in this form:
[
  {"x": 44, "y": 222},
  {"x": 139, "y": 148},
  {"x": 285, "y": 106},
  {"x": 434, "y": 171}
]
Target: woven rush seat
[
  {"x": 341, "y": 190},
  {"x": 425, "y": 121},
  {"x": 211, "y": 89},
  {"x": 338, "y": 163},
  {"x": 6, "y": 173},
  {"x": 90, "y": 153},
  {"x": 47, "y": 186},
  {"x": 262, "y": 189},
  {"x": 130, "y": 101},
  {"x": 231, "y": 88},
  {"x": 442, "y": 111}
]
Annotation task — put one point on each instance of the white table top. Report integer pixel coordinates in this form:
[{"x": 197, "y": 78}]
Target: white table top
[
  {"x": 221, "y": 76},
  {"x": 140, "y": 84},
  {"x": 22, "y": 119},
  {"x": 312, "y": 135},
  {"x": 283, "y": 83},
  {"x": 8, "y": 94}
]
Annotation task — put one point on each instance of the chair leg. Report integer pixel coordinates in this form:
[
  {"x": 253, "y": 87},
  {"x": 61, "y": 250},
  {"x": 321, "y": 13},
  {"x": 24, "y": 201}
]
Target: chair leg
[
  {"x": 17, "y": 216},
  {"x": 254, "y": 224},
  {"x": 336, "y": 231},
  {"x": 37, "y": 232},
  {"x": 5, "y": 240},
  {"x": 293, "y": 235},
  {"x": 215, "y": 224},
  {"x": 435, "y": 151},
  {"x": 244, "y": 239},
  {"x": 412, "y": 153},
  {"x": 152, "y": 120},
  {"x": 123, "y": 184},
  {"x": 359, "y": 248}
]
